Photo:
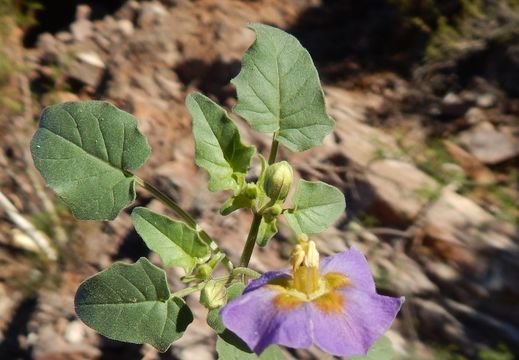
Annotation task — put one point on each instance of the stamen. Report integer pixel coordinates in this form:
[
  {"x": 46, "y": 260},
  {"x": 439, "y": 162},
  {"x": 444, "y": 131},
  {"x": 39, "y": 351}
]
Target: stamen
[{"x": 305, "y": 264}]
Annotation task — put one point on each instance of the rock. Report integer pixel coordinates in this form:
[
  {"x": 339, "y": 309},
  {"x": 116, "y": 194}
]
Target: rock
[
  {"x": 65, "y": 37},
  {"x": 91, "y": 58},
  {"x": 51, "y": 49},
  {"x": 398, "y": 273},
  {"x": 89, "y": 68},
  {"x": 151, "y": 14},
  {"x": 472, "y": 167},
  {"x": 81, "y": 28},
  {"x": 125, "y": 26},
  {"x": 453, "y": 105},
  {"x": 488, "y": 144},
  {"x": 438, "y": 322},
  {"x": 459, "y": 230},
  {"x": 358, "y": 142},
  {"x": 486, "y": 101},
  {"x": 475, "y": 115},
  {"x": 400, "y": 190},
  {"x": 74, "y": 332}
]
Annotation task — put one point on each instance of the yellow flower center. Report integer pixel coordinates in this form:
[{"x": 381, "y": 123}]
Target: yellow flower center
[{"x": 307, "y": 284}]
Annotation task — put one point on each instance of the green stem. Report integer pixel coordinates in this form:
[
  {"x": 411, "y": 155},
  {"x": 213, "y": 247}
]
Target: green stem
[
  {"x": 251, "y": 241},
  {"x": 256, "y": 221},
  {"x": 245, "y": 271},
  {"x": 169, "y": 202},
  {"x": 273, "y": 150},
  {"x": 189, "y": 290}
]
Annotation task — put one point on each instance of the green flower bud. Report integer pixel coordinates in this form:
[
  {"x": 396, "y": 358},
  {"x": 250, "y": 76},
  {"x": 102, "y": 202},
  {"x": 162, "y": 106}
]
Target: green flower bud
[
  {"x": 251, "y": 191},
  {"x": 213, "y": 295},
  {"x": 278, "y": 180},
  {"x": 204, "y": 271},
  {"x": 274, "y": 210}
]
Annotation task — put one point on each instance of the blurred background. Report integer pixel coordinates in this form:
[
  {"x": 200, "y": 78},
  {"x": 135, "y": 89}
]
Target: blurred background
[{"x": 426, "y": 99}]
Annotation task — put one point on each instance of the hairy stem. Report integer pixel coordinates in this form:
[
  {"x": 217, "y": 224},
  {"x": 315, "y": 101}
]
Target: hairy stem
[
  {"x": 256, "y": 221},
  {"x": 251, "y": 241},
  {"x": 189, "y": 290},
  {"x": 169, "y": 202},
  {"x": 273, "y": 149}
]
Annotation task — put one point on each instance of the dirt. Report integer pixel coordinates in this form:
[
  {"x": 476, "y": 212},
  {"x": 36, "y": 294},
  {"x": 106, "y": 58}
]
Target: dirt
[{"x": 437, "y": 222}]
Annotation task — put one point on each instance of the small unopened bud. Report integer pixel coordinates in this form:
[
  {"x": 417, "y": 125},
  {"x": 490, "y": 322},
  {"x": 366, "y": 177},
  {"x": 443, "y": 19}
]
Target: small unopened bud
[
  {"x": 251, "y": 191},
  {"x": 278, "y": 180},
  {"x": 213, "y": 295},
  {"x": 274, "y": 210},
  {"x": 204, "y": 271}
]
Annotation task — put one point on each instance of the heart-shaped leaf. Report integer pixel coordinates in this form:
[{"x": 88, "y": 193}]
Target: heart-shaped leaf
[
  {"x": 84, "y": 151},
  {"x": 132, "y": 303},
  {"x": 279, "y": 90},
  {"x": 218, "y": 147},
  {"x": 316, "y": 206},
  {"x": 175, "y": 242}
]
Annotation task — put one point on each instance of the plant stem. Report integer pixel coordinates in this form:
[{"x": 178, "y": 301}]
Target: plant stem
[
  {"x": 189, "y": 290},
  {"x": 245, "y": 271},
  {"x": 251, "y": 240},
  {"x": 169, "y": 202},
  {"x": 256, "y": 220},
  {"x": 273, "y": 150}
]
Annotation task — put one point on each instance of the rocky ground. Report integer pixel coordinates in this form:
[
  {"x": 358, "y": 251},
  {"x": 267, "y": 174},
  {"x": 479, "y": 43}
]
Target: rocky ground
[{"x": 426, "y": 153}]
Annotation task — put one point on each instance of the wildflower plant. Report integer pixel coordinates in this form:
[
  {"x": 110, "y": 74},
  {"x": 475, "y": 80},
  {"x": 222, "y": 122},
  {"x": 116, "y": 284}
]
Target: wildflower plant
[{"x": 87, "y": 152}]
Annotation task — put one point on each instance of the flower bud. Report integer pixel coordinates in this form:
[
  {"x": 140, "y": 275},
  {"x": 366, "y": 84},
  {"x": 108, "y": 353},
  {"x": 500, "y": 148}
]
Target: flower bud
[
  {"x": 275, "y": 210},
  {"x": 278, "y": 179},
  {"x": 213, "y": 295},
  {"x": 251, "y": 191},
  {"x": 204, "y": 271}
]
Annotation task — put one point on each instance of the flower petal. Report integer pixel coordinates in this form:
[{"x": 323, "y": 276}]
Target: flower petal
[
  {"x": 365, "y": 318},
  {"x": 255, "y": 319},
  {"x": 264, "y": 280},
  {"x": 353, "y": 264}
]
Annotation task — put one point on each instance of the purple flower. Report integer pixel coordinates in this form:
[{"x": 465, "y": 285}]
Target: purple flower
[{"x": 332, "y": 304}]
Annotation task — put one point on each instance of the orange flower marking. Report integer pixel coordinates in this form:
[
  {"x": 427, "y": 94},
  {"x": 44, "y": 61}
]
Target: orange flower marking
[
  {"x": 286, "y": 301},
  {"x": 336, "y": 280},
  {"x": 332, "y": 302}
]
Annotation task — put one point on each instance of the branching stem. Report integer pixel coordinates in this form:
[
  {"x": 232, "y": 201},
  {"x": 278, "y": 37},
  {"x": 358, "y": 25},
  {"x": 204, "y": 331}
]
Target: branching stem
[{"x": 256, "y": 220}]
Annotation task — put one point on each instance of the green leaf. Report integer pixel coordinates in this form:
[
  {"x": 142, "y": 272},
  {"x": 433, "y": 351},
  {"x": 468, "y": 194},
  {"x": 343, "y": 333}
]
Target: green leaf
[
  {"x": 84, "y": 150},
  {"x": 228, "y": 351},
  {"x": 381, "y": 350},
  {"x": 316, "y": 206},
  {"x": 175, "y": 242},
  {"x": 218, "y": 148},
  {"x": 132, "y": 303},
  {"x": 266, "y": 231},
  {"x": 279, "y": 90},
  {"x": 240, "y": 201}
]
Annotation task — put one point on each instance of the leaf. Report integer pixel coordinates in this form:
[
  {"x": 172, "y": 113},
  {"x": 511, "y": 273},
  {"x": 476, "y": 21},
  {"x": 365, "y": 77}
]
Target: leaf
[
  {"x": 240, "y": 201},
  {"x": 132, "y": 303},
  {"x": 218, "y": 148},
  {"x": 279, "y": 90},
  {"x": 316, "y": 206},
  {"x": 381, "y": 350},
  {"x": 227, "y": 351},
  {"x": 83, "y": 151},
  {"x": 175, "y": 242},
  {"x": 266, "y": 231}
]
